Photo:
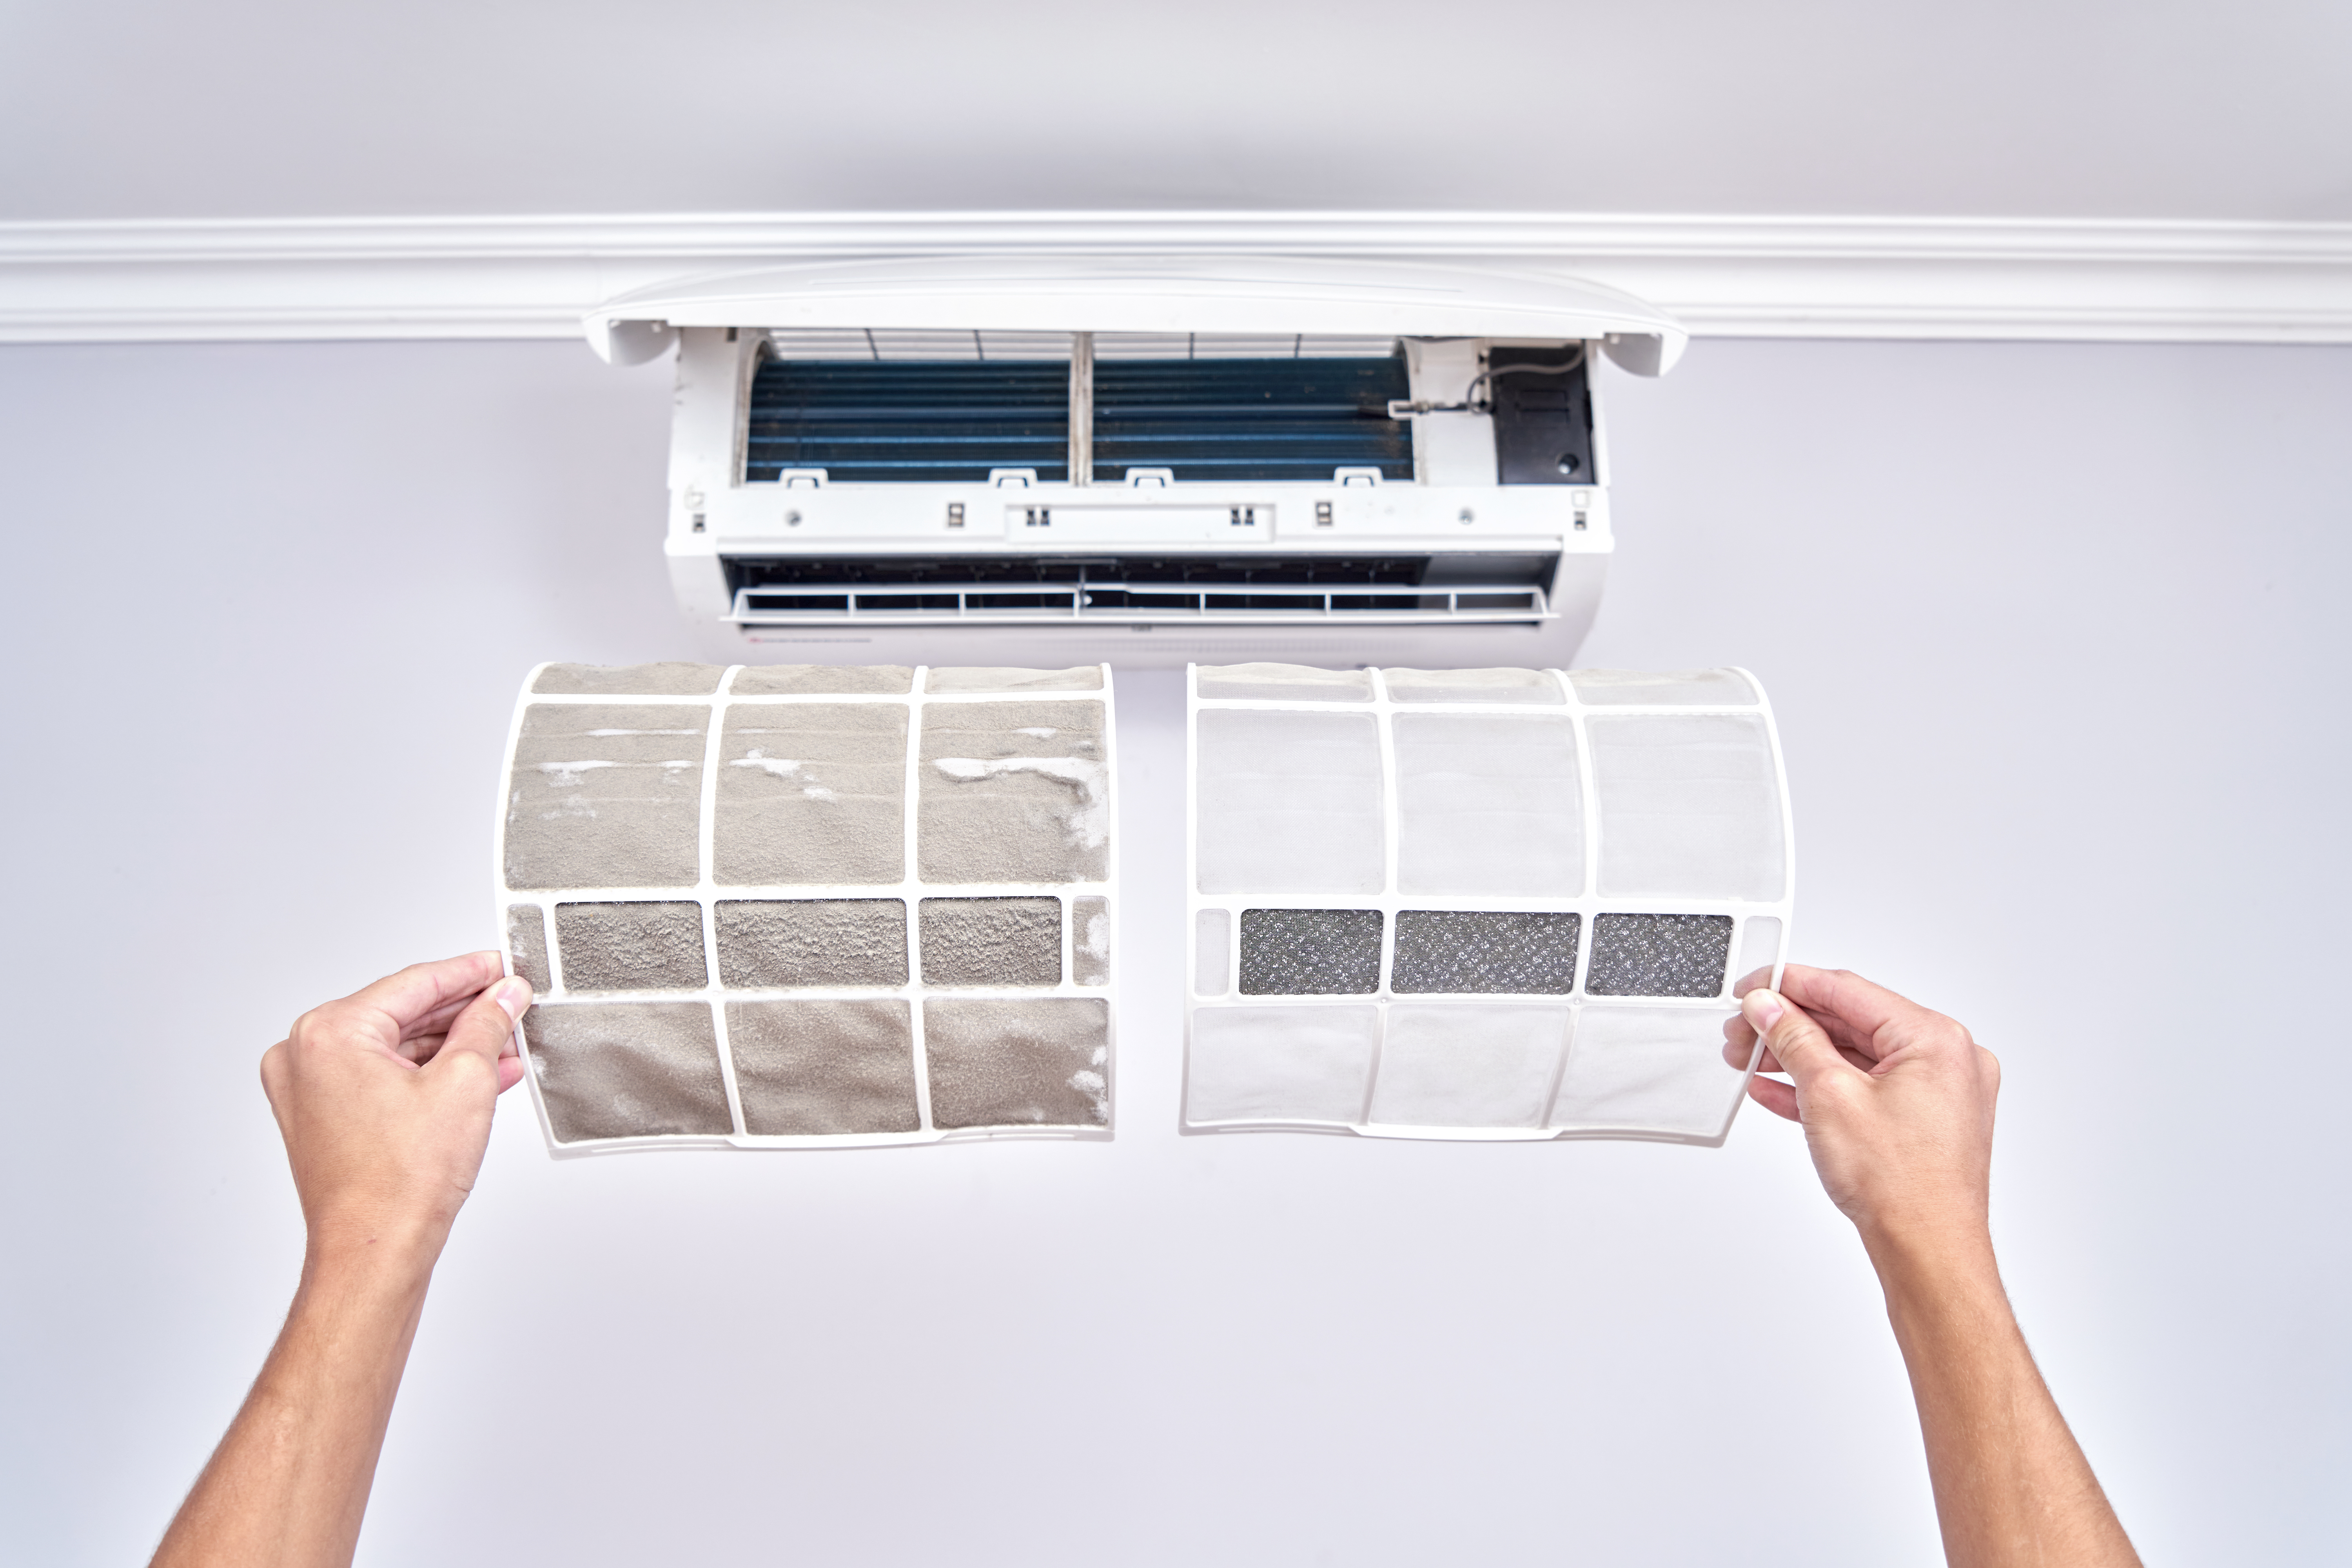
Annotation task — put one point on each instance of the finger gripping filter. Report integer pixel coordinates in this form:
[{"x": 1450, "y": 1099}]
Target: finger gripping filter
[
  {"x": 795, "y": 906},
  {"x": 1478, "y": 904}
]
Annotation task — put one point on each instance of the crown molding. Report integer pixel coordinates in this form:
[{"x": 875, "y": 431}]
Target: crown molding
[{"x": 323, "y": 278}]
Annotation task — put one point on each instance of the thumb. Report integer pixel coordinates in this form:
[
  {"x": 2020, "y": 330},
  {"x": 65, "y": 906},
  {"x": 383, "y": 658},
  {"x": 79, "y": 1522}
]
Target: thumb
[
  {"x": 1796, "y": 1042},
  {"x": 487, "y": 1023}
]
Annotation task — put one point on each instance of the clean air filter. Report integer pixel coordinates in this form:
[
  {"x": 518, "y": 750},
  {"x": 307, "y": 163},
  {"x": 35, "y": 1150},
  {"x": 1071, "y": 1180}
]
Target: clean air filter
[
  {"x": 803, "y": 906},
  {"x": 1479, "y": 903}
]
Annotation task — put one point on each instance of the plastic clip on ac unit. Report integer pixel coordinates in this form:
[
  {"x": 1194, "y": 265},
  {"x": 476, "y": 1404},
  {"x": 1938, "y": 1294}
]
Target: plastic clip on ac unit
[{"x": 1314, "y": 461}]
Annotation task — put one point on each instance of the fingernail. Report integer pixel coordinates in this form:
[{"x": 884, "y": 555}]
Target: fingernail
[
  {"x": 1763, "y": 1009},
  {"x": 512, "y": 994}
]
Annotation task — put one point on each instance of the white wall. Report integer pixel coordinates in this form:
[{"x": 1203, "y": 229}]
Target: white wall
[
  {"x": 2057, "y": 641},
  {"x": 2067, "y": 108}
]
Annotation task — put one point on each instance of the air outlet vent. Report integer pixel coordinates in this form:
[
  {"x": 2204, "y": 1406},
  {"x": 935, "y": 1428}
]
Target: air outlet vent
[{"x": 1200, "y": 589}]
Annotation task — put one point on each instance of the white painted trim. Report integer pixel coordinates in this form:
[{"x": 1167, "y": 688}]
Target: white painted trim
[{"x": 299, "y": 278}]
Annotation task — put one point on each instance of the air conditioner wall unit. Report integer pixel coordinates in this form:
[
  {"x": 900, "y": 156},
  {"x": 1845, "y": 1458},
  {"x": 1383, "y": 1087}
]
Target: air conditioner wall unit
[{"x": 1057, "y": 460}]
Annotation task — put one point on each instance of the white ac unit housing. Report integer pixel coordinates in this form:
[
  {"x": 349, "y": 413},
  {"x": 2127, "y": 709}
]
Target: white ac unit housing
[{"x": 1055, "y": 460}]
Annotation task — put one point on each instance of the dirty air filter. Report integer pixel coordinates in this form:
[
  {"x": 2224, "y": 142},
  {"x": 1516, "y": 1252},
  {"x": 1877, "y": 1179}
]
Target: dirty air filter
[
  {"x": 1478, "y": 904},
  {"x": 798, "y": 905}
]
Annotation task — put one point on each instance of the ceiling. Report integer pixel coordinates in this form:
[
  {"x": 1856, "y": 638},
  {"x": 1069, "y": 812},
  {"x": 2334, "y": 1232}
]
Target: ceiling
[{"x": 2139, "y": 108}]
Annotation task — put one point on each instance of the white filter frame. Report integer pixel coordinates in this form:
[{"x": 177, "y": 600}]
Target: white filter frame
[
  {"x": 1588, "y": 903},
  {"x": 910, "y": 890}
]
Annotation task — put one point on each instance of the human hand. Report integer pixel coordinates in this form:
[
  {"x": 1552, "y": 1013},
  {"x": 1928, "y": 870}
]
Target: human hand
[
  {"x": 384, "y": 1101},
  {"x": 1896, "y": 1101}
]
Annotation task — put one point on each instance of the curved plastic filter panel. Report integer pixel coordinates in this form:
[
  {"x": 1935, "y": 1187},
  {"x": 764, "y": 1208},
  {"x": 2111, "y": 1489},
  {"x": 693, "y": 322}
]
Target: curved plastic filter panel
[
  {"x": 1482, "y": 904},
  {"x": 795, "y": 906}
]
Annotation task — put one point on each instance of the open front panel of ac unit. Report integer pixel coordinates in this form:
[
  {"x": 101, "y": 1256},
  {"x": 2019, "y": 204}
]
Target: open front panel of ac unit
[{"x": 1008, "y": 493}]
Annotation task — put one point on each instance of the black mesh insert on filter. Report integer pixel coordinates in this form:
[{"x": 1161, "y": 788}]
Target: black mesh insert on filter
[
  {"x": 1251, "y": 418},
  {"x": 1485, "y": 953},
  {"x": 913, "y": 420},
  {"x": 1310, "y": 952},
  {"x": 1659, "y": 955}
]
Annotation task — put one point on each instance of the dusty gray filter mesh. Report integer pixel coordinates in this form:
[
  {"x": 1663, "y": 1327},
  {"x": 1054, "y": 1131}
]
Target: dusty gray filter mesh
[
  {"x": 739, "y": 893},
  {"x": 1659, "y": 955},
  {"x": 992, "y": 942},
  {"x": 1310, "y": 952},
  {"x": 631, "y": 947},
  {"x": 803, "y": 679},
  {"x": 811, "y": 792},
  {"x": 1486, "y": 951},
  {"x": 1013, "y": 792},
  {"x": 1036, "y": 1063},
  {"x": 811, "y": 941},
  {"x": 1090, "y": 941},
  {"x": 804, "y": 1067},
  {"x": 526, "y": 940},
  {"x": 671, "y": 679},
  {"x": 636, "y": 772},
  {"x": 628, "y": 1068}
]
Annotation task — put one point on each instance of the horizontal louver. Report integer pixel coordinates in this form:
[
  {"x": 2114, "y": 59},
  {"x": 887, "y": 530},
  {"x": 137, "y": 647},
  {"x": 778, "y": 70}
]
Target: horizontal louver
[
  {"x": 1395, "y": 589},
  {"x": 940, "y": 343}
]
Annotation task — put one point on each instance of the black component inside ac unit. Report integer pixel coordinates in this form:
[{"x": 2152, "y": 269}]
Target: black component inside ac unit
[
  {"x": 1114, "y": 582},
  {"x": 1208, "y": 419},
  {"x": 887, "y": 421},
  {"x": 1543, "y": 415}
]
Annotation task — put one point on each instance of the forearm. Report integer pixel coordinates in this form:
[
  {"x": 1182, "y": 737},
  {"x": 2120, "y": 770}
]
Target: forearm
[
  {"x": 2011, "y": 1485},
  {"x": 288, "y": 1485}
]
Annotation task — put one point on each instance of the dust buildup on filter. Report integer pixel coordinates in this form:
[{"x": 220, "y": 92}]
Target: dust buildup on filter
[
  {"x": 605, "y": 795},
  {"x": 1489, "y": 803},
  {"x": 668, "y": 679},
  {"x": 1282, "y": 683},
  {"x": 815, "y": 1067},
  {"x": 811, "y": 941},
  {"x": 820, "y": 680},
  {"x": 1013, "y": 792},
  {"x": 1040, "y": 1063},
  {"x": 1490, "y": 952},
  {"x": 1288, "y": 802},
  {"x": 1308, "y": 953},
  {"x": 631, "y": 946},
  {"x": 1090, "y": 941},
  {"x": 811, "y": 792},
  {"x": 1689, "y": 807},
  {"x": 527, "y": 941},
  {"x": 1659, "y": 955},
  {"x": 627, "y": 1069},
  {"x": 992, "y": 942}
]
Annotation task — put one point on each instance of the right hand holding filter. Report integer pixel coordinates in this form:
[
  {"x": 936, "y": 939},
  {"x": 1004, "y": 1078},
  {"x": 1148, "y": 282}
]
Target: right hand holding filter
[{"x": 1897, "y": 1105}]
